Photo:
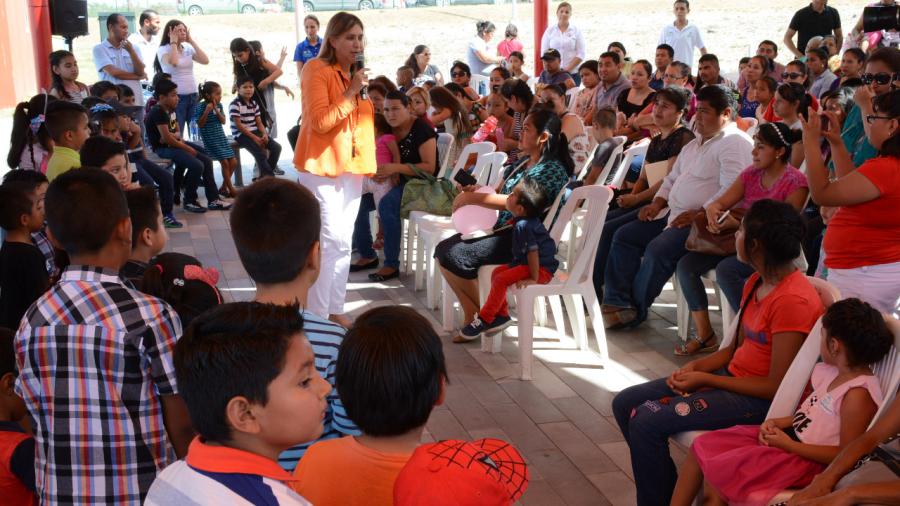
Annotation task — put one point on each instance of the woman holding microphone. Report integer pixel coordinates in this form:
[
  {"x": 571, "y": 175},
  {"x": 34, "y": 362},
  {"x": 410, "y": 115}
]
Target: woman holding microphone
[{"x": 335, "y": 149}]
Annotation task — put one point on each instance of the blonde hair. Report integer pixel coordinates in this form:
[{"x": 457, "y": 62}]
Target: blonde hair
[
  {"x": 421, "y": 93},
  {"x": 339, "y": 24}
]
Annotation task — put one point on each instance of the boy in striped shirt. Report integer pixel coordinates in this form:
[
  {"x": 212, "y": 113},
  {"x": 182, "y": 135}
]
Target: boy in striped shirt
[
  {"x": 248, "y": 129},
  {"x": 276, "y": 224}
]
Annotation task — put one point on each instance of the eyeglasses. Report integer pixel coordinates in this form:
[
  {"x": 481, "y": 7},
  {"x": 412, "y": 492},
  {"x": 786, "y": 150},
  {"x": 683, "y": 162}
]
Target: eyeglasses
[
  {"x": 872, "y": 117},
  {"x": 791, "y": 75},
  {"x": 457, "y": 74},
  {"x": 881, "y": 78}
]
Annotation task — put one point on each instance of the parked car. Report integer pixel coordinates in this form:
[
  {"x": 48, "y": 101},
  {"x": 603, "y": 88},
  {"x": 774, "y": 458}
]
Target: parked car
[
  {"x": 337, "y": 5},
  {"x": 198, "y": 7},
  {"x": 444, "y": 3}
]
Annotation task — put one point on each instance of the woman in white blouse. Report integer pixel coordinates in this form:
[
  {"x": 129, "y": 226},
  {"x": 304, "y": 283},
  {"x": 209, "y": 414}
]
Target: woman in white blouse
[
  {"x": 567, "y": 39},
  {"x": 176, "y": 56},
  {"x": 479, "y": 55}
]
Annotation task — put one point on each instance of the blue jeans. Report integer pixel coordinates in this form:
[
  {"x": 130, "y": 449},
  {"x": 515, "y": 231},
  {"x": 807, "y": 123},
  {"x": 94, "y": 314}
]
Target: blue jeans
[
  {"x": 362, "y": 231},
  {"x": 648, "y": 414},
  {"x": 615, "y": 219},
  {"x": 731, "y": 276},
  {"x": 642, "y": 258},
  {"x": 184, "y": 112},
  {"x": 148, "y": 174},
  {"x": 197, "y": 167},
  {"x": 389, "y": 212},
  {"x": 266, "y": 163}
]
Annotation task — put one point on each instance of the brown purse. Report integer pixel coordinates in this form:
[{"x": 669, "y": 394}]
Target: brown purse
[{"x": 701, "y": 240}]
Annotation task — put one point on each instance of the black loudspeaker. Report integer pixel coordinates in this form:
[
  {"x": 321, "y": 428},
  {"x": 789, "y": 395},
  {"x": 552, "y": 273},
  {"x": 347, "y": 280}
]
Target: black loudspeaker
[{"x": 69, "y": 17}]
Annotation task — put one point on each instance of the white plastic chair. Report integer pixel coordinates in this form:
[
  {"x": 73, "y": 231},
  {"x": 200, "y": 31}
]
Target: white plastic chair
[
  {"x": 828, "y": 295},
  {"x": 444, "y": 141},
  {"x": 409, "y": 224},
  {"x": 610, "y": 163},
  {"x": 476, "y": 81},
  {"x": 636, "y": 149},
  {"x": 573, "y": 285}
]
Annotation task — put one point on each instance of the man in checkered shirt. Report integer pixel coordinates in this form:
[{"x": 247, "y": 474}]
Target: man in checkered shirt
[{"x": 95, "y": 359}]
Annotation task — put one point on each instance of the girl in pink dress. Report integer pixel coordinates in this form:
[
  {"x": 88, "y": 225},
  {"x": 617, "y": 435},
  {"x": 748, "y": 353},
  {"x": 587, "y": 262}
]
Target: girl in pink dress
[
  {"x": 750, "y": 464},
  {"x": 386, "y": 151}
]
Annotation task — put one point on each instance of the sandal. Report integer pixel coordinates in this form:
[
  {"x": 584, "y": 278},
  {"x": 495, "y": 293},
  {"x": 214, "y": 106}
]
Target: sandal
[
  {"x": 703, "y": 346},
  {"x": 378, "y": 278}
]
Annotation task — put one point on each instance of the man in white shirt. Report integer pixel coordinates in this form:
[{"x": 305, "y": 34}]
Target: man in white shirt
[
  {"x": 116, "y": 59},
  {"x": 145, "y": 40},
  {"x": 645, "y": 253},
  {"x": 683, "y": 36}
]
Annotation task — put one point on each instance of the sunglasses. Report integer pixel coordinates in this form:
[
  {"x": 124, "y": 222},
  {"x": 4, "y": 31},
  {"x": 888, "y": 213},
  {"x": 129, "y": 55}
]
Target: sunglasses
[
  {"x": 457, "y": 74},
  {"x": 791, "y": 75},
  {"x": 881, "y": 78}
]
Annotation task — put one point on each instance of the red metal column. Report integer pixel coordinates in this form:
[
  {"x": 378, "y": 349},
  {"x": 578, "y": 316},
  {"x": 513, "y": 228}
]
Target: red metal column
[
  {"x": 42, "y": 46},
  {"x": 541, "y": 8}
]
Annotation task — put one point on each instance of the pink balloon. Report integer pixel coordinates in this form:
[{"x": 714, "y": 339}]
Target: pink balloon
[{"x": 468, "y": 219}]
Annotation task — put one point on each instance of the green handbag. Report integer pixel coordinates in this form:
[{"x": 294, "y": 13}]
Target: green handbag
[{"x": 427, "y": 193}]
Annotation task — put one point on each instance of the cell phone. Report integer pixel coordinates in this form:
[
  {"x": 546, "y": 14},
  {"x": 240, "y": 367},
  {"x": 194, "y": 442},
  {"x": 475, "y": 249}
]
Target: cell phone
[
  {"x": 724, "y": 215},
  {"x": 464, "y": 178}
]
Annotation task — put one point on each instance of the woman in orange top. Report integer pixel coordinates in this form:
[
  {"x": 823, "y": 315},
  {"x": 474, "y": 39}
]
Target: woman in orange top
[
  {"x": 335, "y": 149},
  {"x": 862, "y": 241}
]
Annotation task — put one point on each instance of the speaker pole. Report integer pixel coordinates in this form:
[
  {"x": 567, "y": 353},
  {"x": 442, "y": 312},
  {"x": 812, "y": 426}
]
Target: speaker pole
[{"x": 68, "y": 39}]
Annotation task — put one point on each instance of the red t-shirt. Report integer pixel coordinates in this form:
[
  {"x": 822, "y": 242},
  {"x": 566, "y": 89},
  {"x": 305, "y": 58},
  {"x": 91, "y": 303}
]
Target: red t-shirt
[
  {"x": 504, "y": 47},
  {"x": 868, "y": 233},
  {"x": 793, "y": 306}
]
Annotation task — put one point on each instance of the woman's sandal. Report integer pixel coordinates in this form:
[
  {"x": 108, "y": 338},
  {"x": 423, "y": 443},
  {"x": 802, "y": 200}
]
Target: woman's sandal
[
  {"x": 703, "y": 346},
  {"x": 378, "y": 278}
]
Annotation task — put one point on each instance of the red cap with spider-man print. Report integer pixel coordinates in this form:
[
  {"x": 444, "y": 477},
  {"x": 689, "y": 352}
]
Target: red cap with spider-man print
[{"x": 485, "y": 472}]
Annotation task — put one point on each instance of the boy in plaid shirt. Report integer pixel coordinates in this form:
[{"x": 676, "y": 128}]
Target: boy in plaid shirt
[{"x": 95, "y": 359}]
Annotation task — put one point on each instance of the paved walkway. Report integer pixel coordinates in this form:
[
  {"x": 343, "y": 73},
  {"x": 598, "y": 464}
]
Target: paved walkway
[{"x": 561, "y": 421}]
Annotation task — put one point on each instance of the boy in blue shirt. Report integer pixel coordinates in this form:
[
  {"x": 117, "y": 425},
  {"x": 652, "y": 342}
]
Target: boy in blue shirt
[
  {"x": 275, "y": 224},
  {"x": 534, "y": 259}
]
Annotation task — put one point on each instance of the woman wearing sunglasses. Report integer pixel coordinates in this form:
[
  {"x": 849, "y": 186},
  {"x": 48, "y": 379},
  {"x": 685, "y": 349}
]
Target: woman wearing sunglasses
[
  {"x": 879, "y": 78},
  {"x": 862, "y": 253},
  {"x": 461, "y": 74}
]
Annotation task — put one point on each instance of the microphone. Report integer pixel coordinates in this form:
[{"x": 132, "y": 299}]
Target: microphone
[{"x": 360, "y": 64}]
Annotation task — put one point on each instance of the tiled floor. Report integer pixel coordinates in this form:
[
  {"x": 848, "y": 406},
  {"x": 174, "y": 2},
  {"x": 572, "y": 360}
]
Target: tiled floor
[{"x": 561, "y": 421}]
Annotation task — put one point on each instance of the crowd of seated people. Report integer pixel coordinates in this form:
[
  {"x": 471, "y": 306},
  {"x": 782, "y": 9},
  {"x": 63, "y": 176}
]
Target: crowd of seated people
[{"x": 786, "y": 164}]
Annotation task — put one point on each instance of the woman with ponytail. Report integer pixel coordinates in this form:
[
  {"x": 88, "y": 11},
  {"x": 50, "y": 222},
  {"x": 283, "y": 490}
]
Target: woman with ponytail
[
  {"x": 862, "y": 253},
  {"x": 736, "y": 384},
  {"x": 30, "y": 143},
  {"x": 183, "y": 282},
  {"x": 423, "y": 71},
  {"x": 176, "y": 56},
  {"x": 544, "y": 159}
]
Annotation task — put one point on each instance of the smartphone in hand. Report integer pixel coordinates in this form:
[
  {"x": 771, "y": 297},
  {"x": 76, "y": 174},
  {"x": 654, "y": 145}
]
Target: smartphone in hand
[{"x": 464, "y": 178}]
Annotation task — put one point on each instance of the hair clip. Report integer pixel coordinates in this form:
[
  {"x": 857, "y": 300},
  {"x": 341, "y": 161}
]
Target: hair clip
[
  {"x": 209, "y": 276},
  {"x": 36, "y": 123},
  {"x": 101, "y": 107},
  {"x": 178, "y": 282}
]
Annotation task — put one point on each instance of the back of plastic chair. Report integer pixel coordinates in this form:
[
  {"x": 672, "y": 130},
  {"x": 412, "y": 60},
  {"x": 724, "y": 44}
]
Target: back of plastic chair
[
  {"x": 797, "y": 376},
  {"x": 475, "y": 83},
  {"x": 615, "y": 156},
  {"x": 596, "y": 199},
  {"x": 493, "y": 169},
  {"x": 548, "y": 220},
  {"x": 444, "y": 141},
  {"x": 630, "y": 154},
  {"x": 477, "y": 148},
  {"x": 888, "y": 369}
]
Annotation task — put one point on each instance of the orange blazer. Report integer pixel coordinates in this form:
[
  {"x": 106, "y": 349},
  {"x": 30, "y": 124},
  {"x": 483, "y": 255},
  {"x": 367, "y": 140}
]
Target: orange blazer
[{"x": 331, "y": 122}]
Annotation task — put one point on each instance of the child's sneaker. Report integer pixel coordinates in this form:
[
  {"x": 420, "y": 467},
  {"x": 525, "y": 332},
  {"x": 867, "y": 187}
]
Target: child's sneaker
[
  {"x": 194, "y": 207},
  {"x": 472, "y": 330},
  {"x": 170, "y": 222},
  {"x": 499, "y": 323},
  {"x": 218, "y": 205}
]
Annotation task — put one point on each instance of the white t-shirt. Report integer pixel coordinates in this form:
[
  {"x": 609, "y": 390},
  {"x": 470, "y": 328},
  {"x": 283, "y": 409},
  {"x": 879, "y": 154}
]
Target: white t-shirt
[
  {"x": 570, "y": 43},
  {"x": 146, "y": 50},
  {"x": 683, "y": 42},
  {"x": 183, "y": 74},
  {"x": 476, "y": 65}
]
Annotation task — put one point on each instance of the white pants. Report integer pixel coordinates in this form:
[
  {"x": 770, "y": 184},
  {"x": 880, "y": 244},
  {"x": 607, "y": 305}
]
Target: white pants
[
  {"x": 339, "y": 201},
  {"x": 879, "y": 285}
]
